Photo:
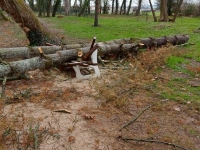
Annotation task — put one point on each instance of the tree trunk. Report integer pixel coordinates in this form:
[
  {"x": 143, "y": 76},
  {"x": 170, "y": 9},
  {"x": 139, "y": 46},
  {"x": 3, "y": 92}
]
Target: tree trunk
[
  {"x": 117, "y": 6},
  {"x": 129, "y": 7},
  {"x": 153, "y": 12},
  {"x": 67, "y": 7},
  {"x": 96, "y": 20},
  {"x": 85, "y": 5},
  {"x": 48, "y": 7},
  {"x": 121, "y": 8},
  {"x": 113, "y": 4},
  {"x": 139, "y": 8},
  {"x": 177, "y": 10},
  {"x": 55, "y": 7},
  {"x": 36, "y": 32},
  {"x": 115, "y": 46},
  {"x": 163, "y": 11}
]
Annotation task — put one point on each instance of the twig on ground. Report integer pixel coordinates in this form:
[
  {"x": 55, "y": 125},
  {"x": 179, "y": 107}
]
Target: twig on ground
[
  {"x": 134, "y": 119},
  {"x": 36, "y": 142},
  {"x": 154, "y": 141}
]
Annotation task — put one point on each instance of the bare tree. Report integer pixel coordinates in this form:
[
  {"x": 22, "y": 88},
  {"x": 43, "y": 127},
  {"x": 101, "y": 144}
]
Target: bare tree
[
  {"x": 129, "y": 7},
  {"x": 48, "y": 7},
  {"x": 163, "y": 11},
  {"x": 55, "y": 7},
  {"x": 113, "y": 4},
  {"x": 139, "y": 7},
  {"x": 153, "y": 12},
  {"x": 123, "y": 7},
  {"x": 179, "y": 3},
  {"x": 96, "y": 22},
  {"x": 67, "y": 7},
  {"x": 117, "y": 6}
]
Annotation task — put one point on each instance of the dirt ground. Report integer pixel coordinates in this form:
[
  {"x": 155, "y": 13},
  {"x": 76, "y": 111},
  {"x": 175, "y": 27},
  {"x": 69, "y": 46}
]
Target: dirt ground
[{"x": 30, "y": 117}]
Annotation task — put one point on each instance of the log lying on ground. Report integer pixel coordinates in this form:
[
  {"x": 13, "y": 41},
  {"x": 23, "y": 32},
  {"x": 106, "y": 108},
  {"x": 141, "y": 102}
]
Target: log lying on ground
[
  {"x": 105, "y": 47},
  {"x": 20, "y": 67}
]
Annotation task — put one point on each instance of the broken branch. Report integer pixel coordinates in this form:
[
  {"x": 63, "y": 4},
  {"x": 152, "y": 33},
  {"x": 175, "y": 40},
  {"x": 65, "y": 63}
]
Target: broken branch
[
  {"x": 154, "y": 141},
  {"x": 134, "y": 119}
]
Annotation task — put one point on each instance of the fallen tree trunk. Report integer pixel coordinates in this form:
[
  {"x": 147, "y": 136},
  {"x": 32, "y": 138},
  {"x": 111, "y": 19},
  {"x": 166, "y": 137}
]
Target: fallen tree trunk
[
  {"x": 27, "y": 52},
  {"x": 46, "y": 61},
  {"x": 104, "y": 47}
]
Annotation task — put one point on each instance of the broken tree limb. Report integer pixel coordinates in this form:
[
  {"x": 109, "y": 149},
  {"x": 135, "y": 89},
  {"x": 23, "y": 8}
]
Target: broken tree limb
[
  {"x": 154, "y": 141},
  {"x": 134, "y": 119}
]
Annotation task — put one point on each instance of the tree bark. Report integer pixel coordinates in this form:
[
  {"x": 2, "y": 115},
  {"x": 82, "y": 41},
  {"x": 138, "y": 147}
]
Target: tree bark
[
  {"x": 37, "y": 33},
  {"x": 139, "y": 7},
  {"x": 129, "y": 7},
  {"x": 177, "y": 10},
  {"x": 153, "y": 12},
  {"x": 67, "y": 7},
  {"x": 113, "y": 1},
  {"x": 96, "y": 20},
  {"x": 48, "y": 7},
  {"x": 163, "y": 11},
  {"x": 55, "y": 7}
]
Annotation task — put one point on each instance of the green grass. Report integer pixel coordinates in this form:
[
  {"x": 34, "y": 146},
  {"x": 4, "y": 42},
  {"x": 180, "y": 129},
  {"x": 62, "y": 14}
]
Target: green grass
[
  {"x": 122, "y": 26},
  {"x": 180, "y": 90}
]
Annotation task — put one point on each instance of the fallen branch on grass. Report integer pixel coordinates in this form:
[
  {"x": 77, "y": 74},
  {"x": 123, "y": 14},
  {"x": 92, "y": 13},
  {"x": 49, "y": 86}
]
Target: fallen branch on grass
[
  {"x": 134, "y": 119},
  {"x": 154, "y": 141}
]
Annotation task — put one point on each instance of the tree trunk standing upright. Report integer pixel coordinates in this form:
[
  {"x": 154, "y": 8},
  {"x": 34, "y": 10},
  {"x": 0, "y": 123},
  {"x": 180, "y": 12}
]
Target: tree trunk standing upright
[
  {"x": 139, "y": 8},
  {"x": 39, "y": 7},
  {"x": 113, "y": 4},
  {"x": 48, "y": 7},
  {"x": 67, "y": 7},
  {"x": 96, "y": 22},
  {"x": 117, "y": 6},
  {"x": 121, "y": 7},
  {"x": 163, "y": 11},
  {"x": 169, "y": 7},
  {"x": 177, "y": 9},
  {"x": 129, "y": 7},
  {"x": 85, "y": 5},
  {"x": 153, "y": 12},
  {"x": 55, "y": 7},
  {"x": 124, "y": 7},
  {"x": 37, "y": 33}
]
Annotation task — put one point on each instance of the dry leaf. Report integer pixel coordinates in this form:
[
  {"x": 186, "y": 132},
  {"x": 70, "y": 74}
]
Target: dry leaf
[{"x": 71, "y": 139}]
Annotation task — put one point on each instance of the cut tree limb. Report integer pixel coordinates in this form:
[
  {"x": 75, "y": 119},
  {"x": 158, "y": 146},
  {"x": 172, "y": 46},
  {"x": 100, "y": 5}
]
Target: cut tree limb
[{"x": 60, "y": 56}]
